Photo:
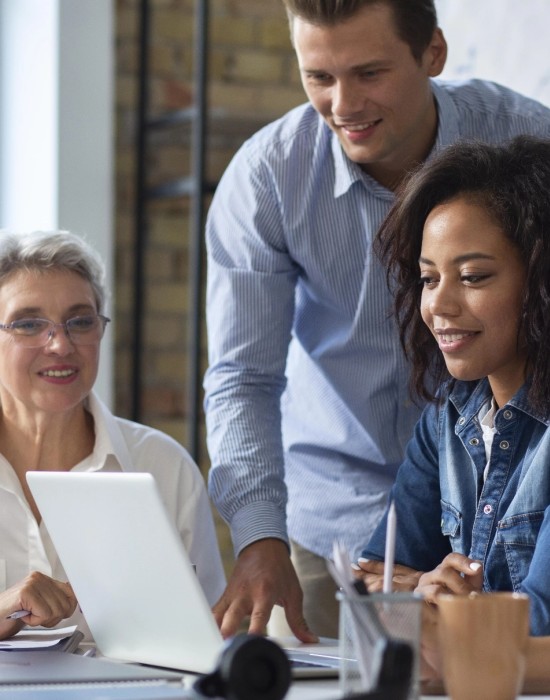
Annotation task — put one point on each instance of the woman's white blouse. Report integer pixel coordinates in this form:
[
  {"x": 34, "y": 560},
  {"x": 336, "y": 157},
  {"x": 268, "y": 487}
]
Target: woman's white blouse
[{"x": 120, "y": 445}]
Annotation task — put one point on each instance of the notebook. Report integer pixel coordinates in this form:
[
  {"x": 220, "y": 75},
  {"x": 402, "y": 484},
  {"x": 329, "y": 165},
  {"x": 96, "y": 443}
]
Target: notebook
[
  {"x": 45, "y": 667},
  {"x": 132, "y": 575}
]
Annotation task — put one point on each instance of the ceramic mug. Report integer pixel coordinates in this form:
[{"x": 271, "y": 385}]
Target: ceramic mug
[{"x": 483, "y": 640}]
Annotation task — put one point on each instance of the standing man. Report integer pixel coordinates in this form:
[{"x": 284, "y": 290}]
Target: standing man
[{"x": 307, "y": 391}]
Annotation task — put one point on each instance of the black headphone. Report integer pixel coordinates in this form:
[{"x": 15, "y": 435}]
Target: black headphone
[{"x": 250, "y": 667}]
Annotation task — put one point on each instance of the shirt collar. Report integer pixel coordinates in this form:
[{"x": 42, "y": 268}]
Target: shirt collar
[
  {"x": 110, "y": 452},
  {"x": 347, "y": 173},
  {"x": 469, "y": 397},
  {"x": 448, "y": 122}
]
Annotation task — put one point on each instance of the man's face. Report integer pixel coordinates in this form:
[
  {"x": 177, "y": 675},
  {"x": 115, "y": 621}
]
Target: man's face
[{"x": 376, "y": 97}]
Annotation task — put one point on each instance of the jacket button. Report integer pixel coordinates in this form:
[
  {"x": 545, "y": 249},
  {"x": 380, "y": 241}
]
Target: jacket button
[
  {"x": 474, "y": 442},
  {"x": 504, "y": 445},
  {"x": 508, "y": 414},
  {"x": 487, "y": 509}
]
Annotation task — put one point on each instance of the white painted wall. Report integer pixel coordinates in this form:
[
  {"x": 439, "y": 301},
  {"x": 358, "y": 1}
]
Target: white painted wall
[
  {"x": 56, "y": 126},
  {"x": 501, "y": 40}
]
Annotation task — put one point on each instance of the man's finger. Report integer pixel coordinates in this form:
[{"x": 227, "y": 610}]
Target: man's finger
[
  {"x": 258, "y": 620},
  {"x": 299, "y": 627}
]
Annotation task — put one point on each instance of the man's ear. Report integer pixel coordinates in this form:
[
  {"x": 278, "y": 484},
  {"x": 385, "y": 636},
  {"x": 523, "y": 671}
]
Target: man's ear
[{"x": 435, "y": 55}]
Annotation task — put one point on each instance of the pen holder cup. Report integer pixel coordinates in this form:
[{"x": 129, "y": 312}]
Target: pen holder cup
[{"x": 380, "y": 644}]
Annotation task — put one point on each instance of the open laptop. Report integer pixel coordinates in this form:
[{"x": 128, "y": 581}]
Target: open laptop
[{"x": 132, "y": 575}]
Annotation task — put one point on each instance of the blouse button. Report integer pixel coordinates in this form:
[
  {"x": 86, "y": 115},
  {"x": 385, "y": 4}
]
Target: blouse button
[
  {"x": 508, "y": 414},
  {"x": 504, "y": 445},
  {"x": 474, "y": 442},
  {"x": 487, "y": 509}
]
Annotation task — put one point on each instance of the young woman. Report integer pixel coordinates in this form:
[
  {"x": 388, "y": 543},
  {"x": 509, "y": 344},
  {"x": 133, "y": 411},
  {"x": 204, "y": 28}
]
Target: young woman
[{"x": 467, "y": 246}]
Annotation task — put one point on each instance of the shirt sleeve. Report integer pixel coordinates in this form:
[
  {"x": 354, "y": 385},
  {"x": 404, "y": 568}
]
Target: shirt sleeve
[
  {"x": 420, "y": 543},
  {"x": 250, "y": 309}
]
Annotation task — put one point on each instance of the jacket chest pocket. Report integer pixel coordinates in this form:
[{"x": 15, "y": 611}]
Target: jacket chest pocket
[
  {"x": 451, "y": 521},
  {"x": 518, "y": 536}
]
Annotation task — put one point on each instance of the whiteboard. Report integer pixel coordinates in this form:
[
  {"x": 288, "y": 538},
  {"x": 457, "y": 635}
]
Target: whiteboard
[{"x": 501, "y": 40}]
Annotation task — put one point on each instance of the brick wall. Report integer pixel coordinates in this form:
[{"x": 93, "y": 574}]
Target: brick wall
[{"x": 253, "y": 79}]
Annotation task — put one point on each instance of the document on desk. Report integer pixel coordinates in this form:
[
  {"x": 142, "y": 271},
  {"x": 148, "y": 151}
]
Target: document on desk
[
  {"x": 37, "y": 638},
  {"x": 49, "y": 674}
]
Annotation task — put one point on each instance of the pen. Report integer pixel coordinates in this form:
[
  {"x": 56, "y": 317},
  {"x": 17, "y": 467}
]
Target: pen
[
  {"x": 389, "y": 554},
  {"x": 19, "y": 613}
]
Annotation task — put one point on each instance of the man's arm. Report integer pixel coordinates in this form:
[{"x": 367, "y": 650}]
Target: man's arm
[{"x": 250, "y": 310}]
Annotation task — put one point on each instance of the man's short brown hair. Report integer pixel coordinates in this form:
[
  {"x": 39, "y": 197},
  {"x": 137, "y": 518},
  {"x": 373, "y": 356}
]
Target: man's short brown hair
[{"x": 416, "y": 20}]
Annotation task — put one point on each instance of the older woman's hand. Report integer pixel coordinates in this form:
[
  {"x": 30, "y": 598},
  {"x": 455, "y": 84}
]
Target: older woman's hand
[{"x": 47, "y": 600}]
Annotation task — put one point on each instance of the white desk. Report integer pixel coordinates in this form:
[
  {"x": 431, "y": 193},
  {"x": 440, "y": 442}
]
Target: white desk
[{"x": 328, "y": 690}]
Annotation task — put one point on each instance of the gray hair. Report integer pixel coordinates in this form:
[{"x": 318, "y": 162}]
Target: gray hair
[{"x": 44, "y": 251}]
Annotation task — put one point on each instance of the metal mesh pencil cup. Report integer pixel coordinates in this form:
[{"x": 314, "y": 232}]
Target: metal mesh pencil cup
[{"x": 372, "y": 628}]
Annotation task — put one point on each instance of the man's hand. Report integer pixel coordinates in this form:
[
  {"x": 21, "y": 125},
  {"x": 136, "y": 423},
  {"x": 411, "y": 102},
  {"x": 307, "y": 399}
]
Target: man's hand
[
  {"x": 48, "y": 602},
  {"x": 263, "y": 577},
  {"x": 456, "y": 574},
  {"x": 372, "y": 573}
]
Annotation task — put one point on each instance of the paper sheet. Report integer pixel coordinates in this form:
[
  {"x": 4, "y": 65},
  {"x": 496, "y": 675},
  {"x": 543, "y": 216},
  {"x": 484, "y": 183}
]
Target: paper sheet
[{"x": 36, "y": 638}]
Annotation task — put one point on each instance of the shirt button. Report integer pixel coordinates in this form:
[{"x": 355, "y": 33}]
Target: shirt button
[
  {"x": 474, "y": 442},
  {"x": 487, "y": 509},
  {"x": 508, "y": 414},
  {"x": 504, "y": 445}
]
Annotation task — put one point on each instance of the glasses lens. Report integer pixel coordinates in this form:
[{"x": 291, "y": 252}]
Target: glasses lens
[
  {"x": 85, "y": 330},
  {"x": 37, "y": 332},
  {"x": 31, "y": 332},
  {"x": 30, "y": 327}
]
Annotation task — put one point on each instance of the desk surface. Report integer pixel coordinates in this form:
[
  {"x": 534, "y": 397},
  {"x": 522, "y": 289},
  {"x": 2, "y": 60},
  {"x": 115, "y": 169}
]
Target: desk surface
[{"x": 328, "y": 690}]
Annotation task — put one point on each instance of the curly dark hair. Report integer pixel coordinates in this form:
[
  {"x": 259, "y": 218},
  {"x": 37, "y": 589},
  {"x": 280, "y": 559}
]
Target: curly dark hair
[
  {"x": 512, "y": 183},
  {"x": 415, "y": 20}
]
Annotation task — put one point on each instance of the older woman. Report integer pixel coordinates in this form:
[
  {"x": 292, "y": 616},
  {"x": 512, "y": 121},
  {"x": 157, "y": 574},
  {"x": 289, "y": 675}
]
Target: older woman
[{"x": 52, "y": 320}]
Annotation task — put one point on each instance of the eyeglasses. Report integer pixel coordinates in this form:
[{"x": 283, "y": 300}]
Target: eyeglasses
[{"x": 37, "y": 332}]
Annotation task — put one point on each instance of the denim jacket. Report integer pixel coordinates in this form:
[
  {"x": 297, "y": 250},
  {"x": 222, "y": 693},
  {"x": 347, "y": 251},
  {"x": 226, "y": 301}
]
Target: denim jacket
[{"x": 444, "y": 505}]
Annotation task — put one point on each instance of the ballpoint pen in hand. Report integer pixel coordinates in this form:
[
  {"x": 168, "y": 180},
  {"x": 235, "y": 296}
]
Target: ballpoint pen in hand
[{"x": 17, "y": 614}]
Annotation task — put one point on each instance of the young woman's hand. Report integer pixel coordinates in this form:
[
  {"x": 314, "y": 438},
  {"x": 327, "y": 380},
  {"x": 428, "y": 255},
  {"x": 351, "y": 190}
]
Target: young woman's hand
[
  {"x": 372, "y": 572},
  {"x": 456, "y": 574}
]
